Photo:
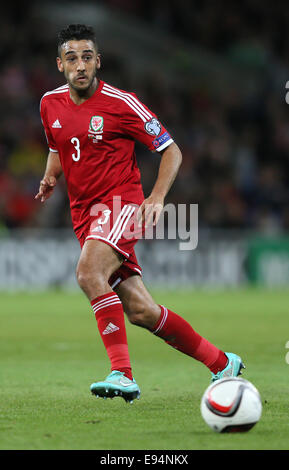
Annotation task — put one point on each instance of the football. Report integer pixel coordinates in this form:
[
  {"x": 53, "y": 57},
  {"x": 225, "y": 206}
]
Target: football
[{"x": 231, "y": 405}]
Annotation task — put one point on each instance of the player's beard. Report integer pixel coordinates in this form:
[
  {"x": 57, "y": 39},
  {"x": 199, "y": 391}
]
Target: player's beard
[{"x": 81, "y": 91}]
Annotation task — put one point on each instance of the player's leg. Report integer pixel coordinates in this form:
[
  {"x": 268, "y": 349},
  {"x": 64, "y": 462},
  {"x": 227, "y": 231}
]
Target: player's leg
[
  {"x": 96, "y": 264},
  {"x": 142, "y": 310}
]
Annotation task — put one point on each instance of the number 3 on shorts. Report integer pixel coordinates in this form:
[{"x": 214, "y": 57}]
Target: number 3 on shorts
[{"x": 76, "y": 143}]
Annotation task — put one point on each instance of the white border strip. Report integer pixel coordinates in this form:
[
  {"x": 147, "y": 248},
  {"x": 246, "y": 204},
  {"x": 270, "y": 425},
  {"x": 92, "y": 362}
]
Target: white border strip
[
  {"x": 106, "y": 300},
  {"x": 163, "y": 146},
  {"x": 130, "y": 98},
  {"x": 97, "y": 237},
  {"x": 118, "y": 223},
  {"x": 116, "y": 282},
  {"x": 124, "y": 224},
  {"x": 107, "y": 305},
  {"x": 164, "y": 319},
  {"x": 144, "y": 119}
]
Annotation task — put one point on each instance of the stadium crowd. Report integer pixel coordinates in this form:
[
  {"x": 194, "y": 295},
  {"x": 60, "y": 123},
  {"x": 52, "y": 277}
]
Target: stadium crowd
[{"x": 235, "y": 146}]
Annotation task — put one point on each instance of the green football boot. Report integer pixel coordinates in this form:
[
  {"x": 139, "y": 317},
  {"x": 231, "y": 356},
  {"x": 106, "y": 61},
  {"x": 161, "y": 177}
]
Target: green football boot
[
  {"x": 232, "y": 369},
  {"x": 116, "y": 384}
]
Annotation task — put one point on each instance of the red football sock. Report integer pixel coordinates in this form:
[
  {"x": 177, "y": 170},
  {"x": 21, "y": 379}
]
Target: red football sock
[
  {"x": 179, "y": 334},
  {"x": 110, "y": 321}
]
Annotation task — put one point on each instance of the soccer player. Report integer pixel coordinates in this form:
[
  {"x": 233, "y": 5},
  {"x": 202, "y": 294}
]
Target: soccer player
[{"x": 91, "y": 128}]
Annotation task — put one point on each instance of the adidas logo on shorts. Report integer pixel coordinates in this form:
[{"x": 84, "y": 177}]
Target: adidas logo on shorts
[{"x": 111, "y": 328}]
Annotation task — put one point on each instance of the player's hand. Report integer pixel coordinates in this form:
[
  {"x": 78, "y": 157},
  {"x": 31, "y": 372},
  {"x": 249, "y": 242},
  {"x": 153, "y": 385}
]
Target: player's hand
[
  {"x": 46, "y": 188},
  {"x": 150, "y": 210}
]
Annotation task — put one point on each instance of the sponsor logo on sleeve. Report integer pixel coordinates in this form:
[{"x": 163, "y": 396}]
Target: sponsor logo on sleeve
[
  {"x": 153, "y": 127},
  {"x": 162, "y": 139}
]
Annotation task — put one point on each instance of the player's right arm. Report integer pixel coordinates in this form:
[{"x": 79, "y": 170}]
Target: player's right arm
[{"x": 51, "y": 175}]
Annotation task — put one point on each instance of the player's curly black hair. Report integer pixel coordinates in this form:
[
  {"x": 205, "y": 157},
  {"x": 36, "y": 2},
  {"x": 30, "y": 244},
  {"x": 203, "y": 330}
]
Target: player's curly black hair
[{"x": 76, "y": 31}]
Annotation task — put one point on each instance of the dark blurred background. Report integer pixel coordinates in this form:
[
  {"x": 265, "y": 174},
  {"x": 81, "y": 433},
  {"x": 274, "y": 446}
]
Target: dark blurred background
[{"x": 215, "y": 73}]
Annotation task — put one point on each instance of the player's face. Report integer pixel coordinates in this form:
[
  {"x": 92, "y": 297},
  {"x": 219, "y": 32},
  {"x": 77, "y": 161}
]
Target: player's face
[{"x": 79, "y": 62}]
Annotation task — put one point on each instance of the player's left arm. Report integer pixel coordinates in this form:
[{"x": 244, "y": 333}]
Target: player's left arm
[{"x": 151, "y": 208}]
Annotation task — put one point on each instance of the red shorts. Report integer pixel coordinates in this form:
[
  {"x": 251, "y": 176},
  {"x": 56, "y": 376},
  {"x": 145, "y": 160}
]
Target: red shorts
[{"x": 114, "y": 223}]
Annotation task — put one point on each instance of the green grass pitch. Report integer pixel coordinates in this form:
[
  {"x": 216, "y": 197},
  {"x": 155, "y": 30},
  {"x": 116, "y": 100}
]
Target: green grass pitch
[{"x": 51, "y": 352}]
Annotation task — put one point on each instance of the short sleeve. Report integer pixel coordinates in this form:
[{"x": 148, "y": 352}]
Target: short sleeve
[
  {"x": 143, "y": 125},
  {"x": 49, "y": 137}
]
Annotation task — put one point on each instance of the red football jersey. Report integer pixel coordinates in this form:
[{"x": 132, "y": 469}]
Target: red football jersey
[{"x": 96, "y": 144}]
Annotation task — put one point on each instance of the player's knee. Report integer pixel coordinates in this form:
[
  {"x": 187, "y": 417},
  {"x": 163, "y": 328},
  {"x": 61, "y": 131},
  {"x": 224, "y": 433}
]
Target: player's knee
[
  {"x": 87, "y": 279},
  {"x": 83, "y": 278},
  {"x": 145, "y": 315}
]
